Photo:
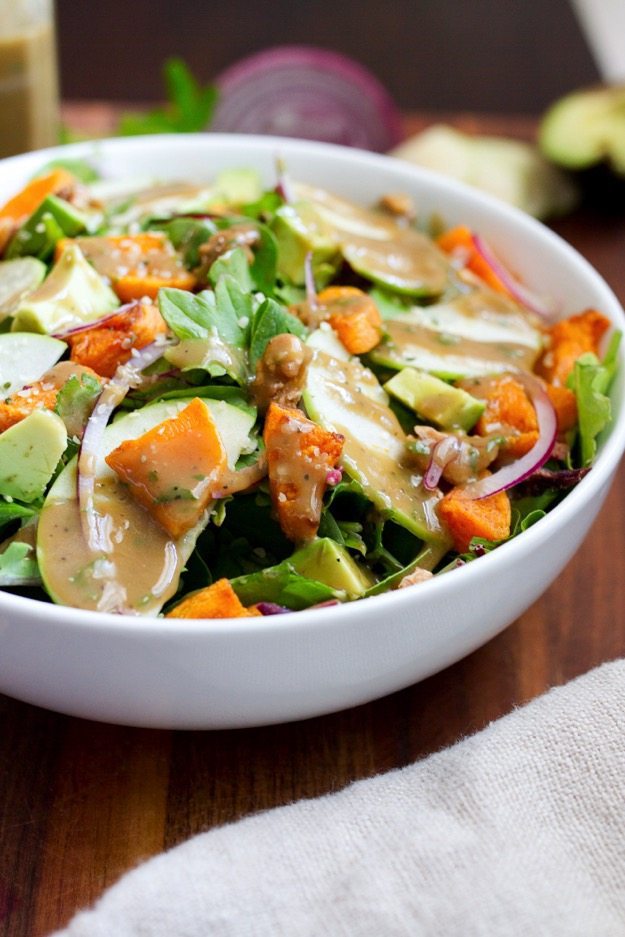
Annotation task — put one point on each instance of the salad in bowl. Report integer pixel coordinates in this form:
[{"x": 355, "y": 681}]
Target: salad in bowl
[
  {"x": 285, "y": 426},
  {"x": 221, "y": 398}
]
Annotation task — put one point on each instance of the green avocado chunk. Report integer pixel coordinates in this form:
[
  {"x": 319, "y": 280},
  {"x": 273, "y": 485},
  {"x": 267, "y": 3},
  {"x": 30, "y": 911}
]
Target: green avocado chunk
[
  {"x": 29, "y": 454},
  {"x": 326, "y": 561},
  {"x": 435, "y": 400},
  {"x": 72, "y": 294},
  {"x": 300, "y": 230},
  {"x": 54, "y": 219}
]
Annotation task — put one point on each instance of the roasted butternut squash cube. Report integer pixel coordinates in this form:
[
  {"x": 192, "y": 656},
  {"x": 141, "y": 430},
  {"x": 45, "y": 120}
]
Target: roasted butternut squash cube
[{"x": 173, "y": 469}]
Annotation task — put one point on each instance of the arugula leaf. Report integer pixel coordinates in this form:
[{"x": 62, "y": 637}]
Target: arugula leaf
[
  {"x": 281, "y": 584},
  {"x": 187, "y": 235},
  {"x": 389, "y": 305},
  {"x": 271, "y": 319},
  {"x": 18, "y": 565},
  {"x": 75, "y": 401},
  {"x": 234, "y": 264},
  {"x": 590, "y": 381},
  {"x": 189, "y": 107},
  {"x": 80, "y": 168},
  {"x": 226, "y": 311},
  {"x": 14, "y": 510}
]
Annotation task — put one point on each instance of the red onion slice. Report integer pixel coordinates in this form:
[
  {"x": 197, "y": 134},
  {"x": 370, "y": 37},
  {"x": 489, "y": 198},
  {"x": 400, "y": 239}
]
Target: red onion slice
[
  {"x": 309, "y": 279},
  {"x": 97, "y": 323},
  {"x": 522, "y": 468},
  {"x": 444, "y": 452},
  {"x": 128, "y": 375},
  {"x": 306, "y": 92},
  {"x": 542, "y": 305}
]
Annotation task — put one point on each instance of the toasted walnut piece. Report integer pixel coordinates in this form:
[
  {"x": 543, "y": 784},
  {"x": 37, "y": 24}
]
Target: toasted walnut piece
[
  {"x": 281, "y": 372},
  {"x": 399, "y": 205}
]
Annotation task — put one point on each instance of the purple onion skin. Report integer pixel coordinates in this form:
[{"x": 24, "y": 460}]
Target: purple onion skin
[{"x": 271, "y": 608}]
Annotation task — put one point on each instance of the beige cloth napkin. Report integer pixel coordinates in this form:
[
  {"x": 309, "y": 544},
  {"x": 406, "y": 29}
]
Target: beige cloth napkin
[{"x": 518, "y": 830}]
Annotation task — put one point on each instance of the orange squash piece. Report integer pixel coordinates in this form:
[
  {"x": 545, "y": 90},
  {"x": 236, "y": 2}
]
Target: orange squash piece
[
  {"x": 104, "y": 347},
  {"x": 173, "y": 469},
  {"x": 459, "y": 240},
  {"x": 354, "y": 317},
  {"x": 22, "y": 403},
  {"x": 509, "y": 411},
  {"x": 466, "y": 518},
  {"x": 18, "y": 208},
  {"x": 138, "y": 265},
  {"x": 216, "y": 601},
  {"x": 299, "y": 455},
  {"x": 569, "y": 339}
]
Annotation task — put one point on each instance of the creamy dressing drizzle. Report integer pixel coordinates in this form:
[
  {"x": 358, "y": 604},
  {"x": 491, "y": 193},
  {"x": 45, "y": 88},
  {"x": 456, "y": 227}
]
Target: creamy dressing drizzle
[
  {"x": 374, "y": 451},
  {"x": 141, "y": 570}
]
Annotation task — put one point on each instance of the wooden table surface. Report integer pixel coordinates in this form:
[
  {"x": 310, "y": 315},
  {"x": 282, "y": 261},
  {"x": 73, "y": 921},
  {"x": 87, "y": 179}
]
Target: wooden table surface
[{"x": 81, "y": 802}]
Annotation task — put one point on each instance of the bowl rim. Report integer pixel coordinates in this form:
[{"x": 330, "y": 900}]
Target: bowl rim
[{"x": 590, "y": 486}]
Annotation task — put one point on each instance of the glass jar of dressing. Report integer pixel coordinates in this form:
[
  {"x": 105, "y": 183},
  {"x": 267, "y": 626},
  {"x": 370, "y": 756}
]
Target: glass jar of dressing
[{"x": 29, "y": 99}]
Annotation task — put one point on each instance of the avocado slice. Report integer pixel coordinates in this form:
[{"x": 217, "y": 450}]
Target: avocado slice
[
  {"x": 585, "y": 128},
  {"x": 300, "y": 230},
  {"x": 72, "y": 294},
  {"x": 18, "y": 278},
  {"x": 29, "y": 454},
  {"x": 142, "y": 570},
  {"x": 435, "y": 400},
  {"x": 54, "y": 219},
  {"x": 399, "y": 258},
  {"x": 24, "y": 357},
  {"x": 326, "y": 561},
  {"x": 477, "y": 333},
  {"x": 340, "y": 397}
]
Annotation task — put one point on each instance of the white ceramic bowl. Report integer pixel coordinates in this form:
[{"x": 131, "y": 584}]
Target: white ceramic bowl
[{"x": 218, "y": 674}]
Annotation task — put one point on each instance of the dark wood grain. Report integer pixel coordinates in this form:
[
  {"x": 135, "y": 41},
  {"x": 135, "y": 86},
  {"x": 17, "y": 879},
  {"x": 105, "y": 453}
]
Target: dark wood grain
[{"x": 80, "y": 803}]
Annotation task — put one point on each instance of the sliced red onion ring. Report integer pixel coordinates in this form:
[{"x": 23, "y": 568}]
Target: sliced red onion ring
[
  {"x": 444, "y": 452},
  {"x": 542, "y": 305},
  {"x": 522, "y": 468},
  {"x": 283, "y": 185},
  {"x": 301, "y": 91},
  {"x": 126, "y": 376},
  {"x": 309, "y": 279},
  {"x": 96, "y": 323}
]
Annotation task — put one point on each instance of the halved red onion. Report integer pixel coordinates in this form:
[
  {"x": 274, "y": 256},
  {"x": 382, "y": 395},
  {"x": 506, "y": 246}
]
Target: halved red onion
[
  {"x": 442, "y": 453},
  {"x": 542, "y": 305},
  {"x": 126, "y": 376},
  {"x": 306, "y": 92},
  {"x": 517, "y": 471},
  {"x": 96, "y": 323}
]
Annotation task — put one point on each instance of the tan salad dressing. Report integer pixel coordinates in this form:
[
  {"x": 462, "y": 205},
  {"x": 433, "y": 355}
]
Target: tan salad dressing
[
  {"x": 138, "y": 543},
  {"x": 29, "y": 109}
]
